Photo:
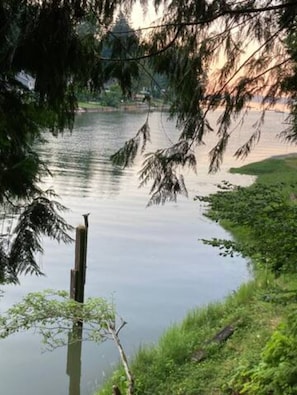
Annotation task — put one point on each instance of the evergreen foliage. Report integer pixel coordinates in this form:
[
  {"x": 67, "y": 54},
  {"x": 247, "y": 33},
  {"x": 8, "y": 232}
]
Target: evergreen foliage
[
  {"x": 48, "y": 50},
  {"x": 40, "y": 216},
  {"x": 217, "y": 56},
  {"x": 120, "y": 47}
]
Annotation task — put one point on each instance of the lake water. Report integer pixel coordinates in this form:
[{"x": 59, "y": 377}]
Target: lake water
[{"x": 147, "y": 260}]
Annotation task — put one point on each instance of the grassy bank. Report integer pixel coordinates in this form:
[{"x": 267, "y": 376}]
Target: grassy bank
[{"x": 247, "y": 343}]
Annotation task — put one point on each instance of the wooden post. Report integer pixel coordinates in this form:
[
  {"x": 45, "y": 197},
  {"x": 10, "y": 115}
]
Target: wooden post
[
  {"x": 78, "y": 274},
  {"x": 73, "y": 283},
  {"x": 77, "y": 288},
  {"x": 80, "y": 262}
]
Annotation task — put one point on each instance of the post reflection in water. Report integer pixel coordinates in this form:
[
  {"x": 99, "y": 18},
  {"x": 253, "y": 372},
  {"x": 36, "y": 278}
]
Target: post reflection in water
[{"x": 73, "y": 368}]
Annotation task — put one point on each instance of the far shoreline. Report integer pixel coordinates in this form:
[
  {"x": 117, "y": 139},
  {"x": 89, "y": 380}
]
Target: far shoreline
[{"x": 139, "y": 107}]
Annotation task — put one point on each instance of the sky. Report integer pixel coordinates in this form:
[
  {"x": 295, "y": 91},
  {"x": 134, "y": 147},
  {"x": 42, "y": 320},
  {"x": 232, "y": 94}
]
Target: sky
[{"x": 138, "y": 19}]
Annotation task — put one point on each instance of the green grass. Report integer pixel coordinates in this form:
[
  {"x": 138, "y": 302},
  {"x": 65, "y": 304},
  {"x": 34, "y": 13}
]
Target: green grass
[
  {"x": 271, "y": 171},
  {"x": 89, "y": 105},
  {"x": 169, "y": 367},
  {"x": 96, "y": 105},
  {"x": 256, "y": 309}
]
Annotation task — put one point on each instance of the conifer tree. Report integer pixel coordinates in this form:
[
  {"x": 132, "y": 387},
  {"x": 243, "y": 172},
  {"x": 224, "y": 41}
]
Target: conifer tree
[{"x": 47, "y": 49}]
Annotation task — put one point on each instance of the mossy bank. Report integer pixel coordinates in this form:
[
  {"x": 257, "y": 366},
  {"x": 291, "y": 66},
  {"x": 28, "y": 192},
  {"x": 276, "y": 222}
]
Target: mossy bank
[{"x": 246, "y": 344}]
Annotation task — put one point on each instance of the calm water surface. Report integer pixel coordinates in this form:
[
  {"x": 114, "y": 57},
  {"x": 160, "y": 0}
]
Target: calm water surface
[{"x": 147, "y": 260}]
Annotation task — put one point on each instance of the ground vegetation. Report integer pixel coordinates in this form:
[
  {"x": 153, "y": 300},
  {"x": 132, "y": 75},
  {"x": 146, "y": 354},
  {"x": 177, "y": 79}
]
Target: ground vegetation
[{"x": 257, "y": 357}]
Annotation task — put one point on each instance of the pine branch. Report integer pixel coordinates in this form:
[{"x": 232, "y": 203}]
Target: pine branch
[
  {"x": 37, "y": 218},
  {"x": 126, "y": 155},
  {"x": 245, "y": 149}
]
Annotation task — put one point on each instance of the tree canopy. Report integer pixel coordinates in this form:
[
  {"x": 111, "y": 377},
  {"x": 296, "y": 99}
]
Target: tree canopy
[
  {"x": 120, "y": 44},
  {"x": 217, "y": 55},
  {"x": 214, "y": 54},
  {"x": 57, "y": 46}
]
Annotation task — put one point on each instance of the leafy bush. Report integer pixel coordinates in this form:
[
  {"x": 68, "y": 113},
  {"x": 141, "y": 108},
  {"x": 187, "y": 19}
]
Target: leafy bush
[
  {"x": 112, "y": 97},
  {"x": 266, "y": 217},
  {"x": 276, "y": 372}
]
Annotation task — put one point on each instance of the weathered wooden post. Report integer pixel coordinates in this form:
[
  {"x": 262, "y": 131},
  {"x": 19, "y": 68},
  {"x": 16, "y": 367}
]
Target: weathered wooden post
[
  {"x": 77, "y": 286},
  {"x": 78, "y": 274}
]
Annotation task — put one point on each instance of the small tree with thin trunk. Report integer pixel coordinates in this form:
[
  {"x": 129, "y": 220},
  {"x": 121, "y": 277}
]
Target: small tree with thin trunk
[{"x": 54, "y": 316}]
